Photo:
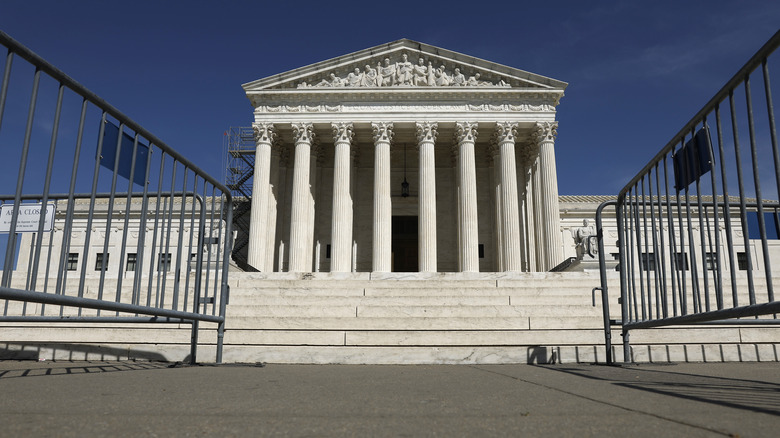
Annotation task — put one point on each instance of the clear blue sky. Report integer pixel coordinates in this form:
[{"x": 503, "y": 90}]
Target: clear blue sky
[{"x": 637, "y": 70}]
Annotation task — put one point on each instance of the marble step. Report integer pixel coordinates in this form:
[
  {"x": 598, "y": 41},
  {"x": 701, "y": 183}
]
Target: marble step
[
  {"x": 580, "y": 336},
  {"x": 433, "y": 290},
  {"x": 413, "y": 323},
  {"x": 438, "y": 311},
  {"x": 407, "y": 300}
]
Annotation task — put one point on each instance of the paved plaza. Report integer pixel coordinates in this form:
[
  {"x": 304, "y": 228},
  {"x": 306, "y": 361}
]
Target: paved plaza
[{"x": 70, "y": 399}]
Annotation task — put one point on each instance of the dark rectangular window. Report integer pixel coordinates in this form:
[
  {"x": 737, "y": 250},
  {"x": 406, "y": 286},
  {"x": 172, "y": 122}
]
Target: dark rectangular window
[
  {"x": 164, "y": 262},
  {"x": 132, "y": 260},
  {"x": 327, "y": 251},
  {"x": 481, "y": 250},
  {"x": 710, "y": 261},
  {"x": 73, "y": 261},
  {"x": 99, "y": 261},
  {"x": 742, "y": 261},
  {"x": 681, "y": 261},
  {"x": 647, "y": 261}
]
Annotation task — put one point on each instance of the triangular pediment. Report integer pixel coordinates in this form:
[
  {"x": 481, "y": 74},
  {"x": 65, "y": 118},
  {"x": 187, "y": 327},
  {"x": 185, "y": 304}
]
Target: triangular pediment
[{"x": 404, "y": 64}]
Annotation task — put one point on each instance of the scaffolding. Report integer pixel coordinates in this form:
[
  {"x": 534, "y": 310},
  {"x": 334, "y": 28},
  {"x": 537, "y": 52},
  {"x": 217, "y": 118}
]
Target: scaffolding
[{"x": 239, "y": 147}]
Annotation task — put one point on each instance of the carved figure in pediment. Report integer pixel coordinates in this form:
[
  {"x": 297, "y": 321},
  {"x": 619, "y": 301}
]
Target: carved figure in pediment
[
  {"x": 431, "y": 75},
  {"x": 404, "y": 71},
  {"x": 473, "y": 81},
  {"x": 387, "y": 74},
  {"x": 442, "y": 78},
  {"x": 458, "y": 79},
  {"x": 421, "y": 73},
  {"x": 370, "y": 78},
  {"x": 354, "y": 78},
  {"x": 336, "y": 81}
]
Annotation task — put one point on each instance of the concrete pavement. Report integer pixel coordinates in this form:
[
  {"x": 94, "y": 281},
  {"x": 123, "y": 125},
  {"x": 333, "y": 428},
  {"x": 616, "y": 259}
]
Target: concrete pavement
[{"x": 84, "y": 399}]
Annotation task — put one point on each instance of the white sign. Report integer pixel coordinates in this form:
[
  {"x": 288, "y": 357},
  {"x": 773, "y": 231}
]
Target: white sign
[{"x": 28, "y": 219}]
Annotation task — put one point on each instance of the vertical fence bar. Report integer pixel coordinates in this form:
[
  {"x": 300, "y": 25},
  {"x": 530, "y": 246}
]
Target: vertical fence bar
[
  {"x": 11, "y": 246},
  {"x": 180, "y": 244},
  {"x": 742, "y": 200},
  {"x": 9, "y": 59},
  {"x": 46, "y": 185},
  {"x": 154, "y": 233},
  {"x": 757, "y": 185},
  {"x": 141, "y": 243},
  {"x": 726, "y": 211},
  {"x": 168, "y": 228},
  {"x": 110, "y": 211},
  {"x": 126, "y": 223}
]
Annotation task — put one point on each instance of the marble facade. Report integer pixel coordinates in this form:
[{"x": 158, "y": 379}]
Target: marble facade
[{"x": 473, "y": 139}]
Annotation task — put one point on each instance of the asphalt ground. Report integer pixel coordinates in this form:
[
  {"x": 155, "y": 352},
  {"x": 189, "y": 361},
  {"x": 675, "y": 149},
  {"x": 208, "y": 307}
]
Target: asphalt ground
[{"x": 98, "y": 399}]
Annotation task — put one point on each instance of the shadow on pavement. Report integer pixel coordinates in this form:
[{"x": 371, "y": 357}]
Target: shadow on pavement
[
  {"x": 10, "y": 369},
  {"x": 751, "y": 395}
]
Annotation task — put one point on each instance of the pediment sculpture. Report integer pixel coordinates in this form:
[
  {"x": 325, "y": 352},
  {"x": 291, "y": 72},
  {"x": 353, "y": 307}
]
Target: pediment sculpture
[{"x": 404, "y": 73}]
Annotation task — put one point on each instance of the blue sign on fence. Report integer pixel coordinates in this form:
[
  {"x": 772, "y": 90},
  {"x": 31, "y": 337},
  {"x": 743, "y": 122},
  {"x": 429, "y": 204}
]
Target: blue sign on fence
[
  {"x": 108, "y": 154},
  {"x": 693, "y": 160}
]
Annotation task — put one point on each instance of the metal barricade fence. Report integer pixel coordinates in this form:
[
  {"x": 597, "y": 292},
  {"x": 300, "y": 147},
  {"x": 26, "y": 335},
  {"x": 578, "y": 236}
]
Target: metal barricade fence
[
  {"x": 698, "y": 228},
  {"x": 106, "y": 223}
]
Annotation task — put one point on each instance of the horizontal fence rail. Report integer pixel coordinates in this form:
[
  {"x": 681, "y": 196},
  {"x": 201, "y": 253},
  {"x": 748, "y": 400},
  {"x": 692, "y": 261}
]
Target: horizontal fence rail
[
  {"x": 699, "y": 226},
  {"x": 103, "y": 221}
]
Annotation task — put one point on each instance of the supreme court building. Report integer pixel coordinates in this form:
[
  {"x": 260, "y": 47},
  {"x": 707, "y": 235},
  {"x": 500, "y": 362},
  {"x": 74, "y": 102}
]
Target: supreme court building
[{"x": 405, "y": 157}]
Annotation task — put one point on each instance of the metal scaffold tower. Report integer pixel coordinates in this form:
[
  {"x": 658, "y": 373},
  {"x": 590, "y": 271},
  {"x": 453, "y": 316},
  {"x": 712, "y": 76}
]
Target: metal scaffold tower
[{"x": 239, "y": 147}]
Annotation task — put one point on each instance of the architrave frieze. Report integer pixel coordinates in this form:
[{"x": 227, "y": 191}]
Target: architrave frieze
[{"x": 406, "y": 105}]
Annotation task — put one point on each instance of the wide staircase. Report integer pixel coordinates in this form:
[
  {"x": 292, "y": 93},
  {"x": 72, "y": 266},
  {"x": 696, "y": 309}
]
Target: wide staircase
[
  {"x": 453, "y": 318},
  {"x": 364, "y": 318}
]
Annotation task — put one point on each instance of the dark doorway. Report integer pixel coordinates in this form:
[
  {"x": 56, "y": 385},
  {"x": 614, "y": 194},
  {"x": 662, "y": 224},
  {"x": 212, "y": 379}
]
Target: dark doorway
[{"x": 404, "y": 244}]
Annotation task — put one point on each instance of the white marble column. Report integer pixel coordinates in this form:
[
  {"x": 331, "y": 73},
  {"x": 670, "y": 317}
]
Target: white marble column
[
  {"x": 300, "y": 251},
  {"x": 510, "y": 218},
  {"x": 314, "y": 178},
  {"x": 383, "y": 210},
  {"x": 545, "y": 133},
  {"x": 526, "y": 208},
  {"x": 497, "y": 215},
  {"x": 539, "y": 252},
  {"x": 341, "y": 226},
  {"x": 273, "y": 201},
  {"x": 466, "y": 135},
  {"x": 258, "y": 226},
  {"x": 426, "y": 138}
]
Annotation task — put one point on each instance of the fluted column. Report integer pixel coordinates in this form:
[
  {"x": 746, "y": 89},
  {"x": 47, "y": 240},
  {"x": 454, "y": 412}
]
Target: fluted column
[
  {"x": 273, "y": 201},
  {"x": 258, "y": 225},
  {"x": 466, "y": 135},
  {"x": 525, "y": 187},
  {"x": 545, "y": 133},
  {"x": 497, "y": 215},
  {"x": 426, "y": 138},
  {"x": 510, "y": 216},
  {"x": 314, "y": 178},
  {"x": 341, "y": 226},
  {"x": 300, "y": 251},
  {"x": 539, "y": 251},
  {"x": 383, "y": 210}
]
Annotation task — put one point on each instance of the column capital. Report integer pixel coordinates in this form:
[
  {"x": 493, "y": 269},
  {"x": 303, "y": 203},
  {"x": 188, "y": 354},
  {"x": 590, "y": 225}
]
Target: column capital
[
  {"x": 383, "y": 132},
  {"x": 427, "y": 131},
  {"x": 343, "y": 132},
  {"x": 264, "y": 132},
  {"x": 465, "y": 131},
  {"x": 545, "y": 131},
  {"x": 303, "y": 132},
  {"x": 505, "y": 132}
]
